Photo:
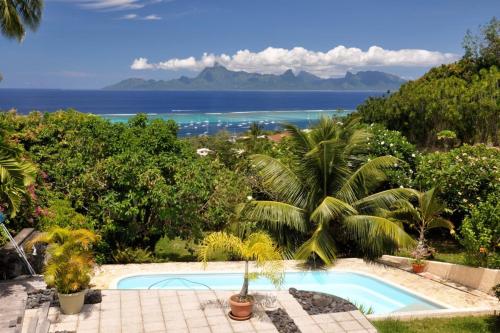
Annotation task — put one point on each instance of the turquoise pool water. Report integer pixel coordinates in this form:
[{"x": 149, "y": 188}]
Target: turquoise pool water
[{"x": 361, "y": 289}]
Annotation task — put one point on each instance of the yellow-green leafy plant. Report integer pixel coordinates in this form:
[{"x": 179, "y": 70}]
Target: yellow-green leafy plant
[
  {"x": 258, "y": 247},
  {"x": 70, "y": 262}
]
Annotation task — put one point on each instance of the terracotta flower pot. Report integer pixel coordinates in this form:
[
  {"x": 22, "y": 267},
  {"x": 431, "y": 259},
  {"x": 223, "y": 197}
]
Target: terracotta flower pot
[
  {"x": 241, "y": 310},
  {"x": 71, "y": 303},
  {"x": 418, "y": 268}
]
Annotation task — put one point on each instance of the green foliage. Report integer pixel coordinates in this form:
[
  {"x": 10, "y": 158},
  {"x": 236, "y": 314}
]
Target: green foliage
[
  {"x": 385, "y": 142},
  {"x": 326, "y": 194},
  {"x": 175, "y": 249},
  {"x": 473, "y": 324},
  {"x": 18, "y": 15},
  {"x": 465, "y": 176},
  {"x": 462, "y": 97},
  {"x": 133, "y": 256},
  {"x": 60, "y": 213},
  {"x": 366, "y": 310},
  {"x": 70, "y": 262},
  {"x": 481, "y": 234},
  {"x": 16, "y": 174},
  {"x": 134, "y": 182},
  {"x": 258, "y": 247}
]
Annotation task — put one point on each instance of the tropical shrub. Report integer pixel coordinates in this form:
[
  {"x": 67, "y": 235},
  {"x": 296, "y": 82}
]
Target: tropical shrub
[
  {"x": 60, "y": 213},
  {"x": 70, "y": 262},
  {"x": 175, "y": 249},
  {"x": 384, "y": 142},
  {"x": 133, "y": 256},
  {"x": 327, "y": 195},
  {"x": 465, "y": 176},
  {"x": 134, "y": 182},
  {"x": 480, "y": 234},
  {"x": 461, "y": 97}
]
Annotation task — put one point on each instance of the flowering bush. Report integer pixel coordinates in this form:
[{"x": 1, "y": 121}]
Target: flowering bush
[
  {"x": 465, "y": 176},
  {"x": 385, "y": 142},
  {"x": 481, "y": 234}
]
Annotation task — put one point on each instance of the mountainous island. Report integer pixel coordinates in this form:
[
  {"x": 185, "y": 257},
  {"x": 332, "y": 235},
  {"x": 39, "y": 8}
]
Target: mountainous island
[{"x": 220, "y": 78}]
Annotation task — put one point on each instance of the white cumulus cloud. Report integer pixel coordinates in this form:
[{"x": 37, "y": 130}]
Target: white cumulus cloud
[{"x": 325, "y": 64}]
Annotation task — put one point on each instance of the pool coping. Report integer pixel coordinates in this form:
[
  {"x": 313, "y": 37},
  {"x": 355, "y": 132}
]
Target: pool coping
[{"x": 114, "y": 284}]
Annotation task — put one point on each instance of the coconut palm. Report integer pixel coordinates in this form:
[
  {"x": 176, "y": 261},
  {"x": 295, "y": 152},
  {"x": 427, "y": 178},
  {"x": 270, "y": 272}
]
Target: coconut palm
[
  {"x": 328, "y": 188},
  {"x": 423, "y": 216},
  {"x": 257, "y": 246},
  {"x": 15, "y": 175},
  {"x": 17, "y": 15}
]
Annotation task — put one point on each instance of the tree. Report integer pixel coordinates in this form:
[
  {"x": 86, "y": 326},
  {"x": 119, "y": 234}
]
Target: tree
[
  {"x": 257, "y": 246},
  {"x": 18, "y": 15},
  {"x": 16, "y": 175},
  {"x": 327, "y": 191},
  {"x": 423, "y": 216}
]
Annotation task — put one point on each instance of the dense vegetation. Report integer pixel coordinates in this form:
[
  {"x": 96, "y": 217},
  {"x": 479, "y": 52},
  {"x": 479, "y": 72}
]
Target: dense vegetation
[
  {"x": 343, "y": 188},
  {"x": 463, "y": 97},
  {"x": 487, "y": 324}
]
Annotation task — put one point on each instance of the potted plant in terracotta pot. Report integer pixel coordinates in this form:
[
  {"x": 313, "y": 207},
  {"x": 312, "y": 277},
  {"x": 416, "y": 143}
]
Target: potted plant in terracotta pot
[
  {"x": 69, "y": 265},
  {"x": 258, "y": 247}
]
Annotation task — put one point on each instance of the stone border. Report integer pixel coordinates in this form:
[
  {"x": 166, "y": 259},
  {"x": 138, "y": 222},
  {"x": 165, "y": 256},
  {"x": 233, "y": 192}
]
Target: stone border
[
  {"x": 479, "y": 278},
  {"x": 283, "y": 322}
]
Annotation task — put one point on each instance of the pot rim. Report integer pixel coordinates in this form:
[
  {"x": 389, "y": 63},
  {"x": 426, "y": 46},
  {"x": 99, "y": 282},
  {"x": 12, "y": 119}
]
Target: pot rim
[
  {"x": 73, "y": 294},
  {"x": 250, "y": 299}
]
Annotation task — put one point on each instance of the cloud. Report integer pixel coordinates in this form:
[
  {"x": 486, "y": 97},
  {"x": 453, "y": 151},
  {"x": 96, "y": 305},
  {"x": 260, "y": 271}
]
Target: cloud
[
  {"x": 152, "y": 17},
  {"x": 129, "y": 17},
  {"x": 114, "y": 4},
  {"x": 325, "y": 64}
]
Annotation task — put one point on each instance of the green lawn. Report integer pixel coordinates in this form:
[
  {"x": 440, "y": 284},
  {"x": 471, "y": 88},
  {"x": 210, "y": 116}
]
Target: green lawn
[{"x": 488, "y": 324}]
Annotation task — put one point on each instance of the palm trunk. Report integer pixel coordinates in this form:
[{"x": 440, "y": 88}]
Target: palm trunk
[{"x": 244, "y": 288}]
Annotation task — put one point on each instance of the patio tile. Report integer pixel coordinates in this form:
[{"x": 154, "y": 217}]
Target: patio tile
[
  {"x": 221, "y": 328},
  {"x": 351, "y": 325},
  {"x": 196, "y": 323},
  {"x": 322, "y": 318},
  {"x": 331, "y": 328},
  {"x": 173, "y": 325},
  {"x": 154, "y": 326},
  {"x": 341, "y": 316},
  {"x": 202, "y": 330},
  {"x": 195, "y": 313},
  {"x": 217, "y": 320},
  {"x": 303, "y": 320},
  {"x": 310, "y": 329},
  {"x": 172, "y": 315},
  {"x": 241, "y": 326},
  {"x": 214, "y": 312}
]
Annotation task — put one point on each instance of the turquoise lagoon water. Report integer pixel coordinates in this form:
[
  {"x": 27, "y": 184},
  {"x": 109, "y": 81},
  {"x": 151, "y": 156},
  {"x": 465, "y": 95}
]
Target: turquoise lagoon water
[{"x": 361, "y": 289}]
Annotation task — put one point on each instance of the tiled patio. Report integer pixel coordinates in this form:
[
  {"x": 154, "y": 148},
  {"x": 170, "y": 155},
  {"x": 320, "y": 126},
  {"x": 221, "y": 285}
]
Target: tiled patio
[{"x": 151, "y": 311}]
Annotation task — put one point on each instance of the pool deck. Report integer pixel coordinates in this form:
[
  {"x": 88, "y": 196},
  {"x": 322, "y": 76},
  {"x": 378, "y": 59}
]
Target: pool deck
[
  {"x": 194, "y": 311},
  {"x": 155, "y": 311}
]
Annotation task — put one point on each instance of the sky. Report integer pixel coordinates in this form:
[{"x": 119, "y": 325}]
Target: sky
[{"x": 88, "y": 44}]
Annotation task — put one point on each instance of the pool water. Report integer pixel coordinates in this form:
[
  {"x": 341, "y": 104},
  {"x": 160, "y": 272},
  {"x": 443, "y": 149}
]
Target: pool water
[{"x": 359, "y": 289}]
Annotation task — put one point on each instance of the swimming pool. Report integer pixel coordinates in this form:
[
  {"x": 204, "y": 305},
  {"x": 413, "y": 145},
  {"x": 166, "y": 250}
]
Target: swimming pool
[{"x": 361, "y": 289}]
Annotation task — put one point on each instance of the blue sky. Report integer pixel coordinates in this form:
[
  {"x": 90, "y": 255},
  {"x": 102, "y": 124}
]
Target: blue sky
[{"x": 92, "y": 43}]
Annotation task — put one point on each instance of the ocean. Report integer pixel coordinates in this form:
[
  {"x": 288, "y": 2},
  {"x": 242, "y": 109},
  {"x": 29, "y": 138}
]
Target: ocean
[{"x": 196, "y": 112}]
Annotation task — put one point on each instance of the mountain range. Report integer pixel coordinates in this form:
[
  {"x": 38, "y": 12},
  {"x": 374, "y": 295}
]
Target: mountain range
[{"x": 220, "y": 78}]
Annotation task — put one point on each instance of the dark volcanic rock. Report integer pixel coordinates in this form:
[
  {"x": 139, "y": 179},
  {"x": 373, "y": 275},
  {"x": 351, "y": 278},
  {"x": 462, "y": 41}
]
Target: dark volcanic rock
[
  {"x": 282, "y": 321},
  {"x": 38, "y": 297},
  {"x": 316, "y": 303}
]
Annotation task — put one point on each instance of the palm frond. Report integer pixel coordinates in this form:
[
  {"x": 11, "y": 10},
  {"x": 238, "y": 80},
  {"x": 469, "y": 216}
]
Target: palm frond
[
  {"x": 365, "y": 178},
  {"x": 280, "y": 180},
  {"x": 321, "y": 244},
  {"x": 384, "y": 200},
  {"x": 439, "y": 222},
  {"x": 367, "y": 227},
  {"x": 331, "y": 209},
  {"x": 276, "y": 214}
]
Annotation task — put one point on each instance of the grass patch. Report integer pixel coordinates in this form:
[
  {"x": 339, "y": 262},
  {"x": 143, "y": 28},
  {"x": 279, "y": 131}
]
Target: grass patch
[{"x": 486, "y": 324}]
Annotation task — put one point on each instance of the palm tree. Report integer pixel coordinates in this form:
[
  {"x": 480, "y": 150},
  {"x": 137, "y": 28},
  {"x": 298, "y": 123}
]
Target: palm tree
[
  {"x": 70, "y": 261},
  {"x": 327, "y": 188},
  {"x": 423, "y": 216},
  {"x": 15, "y": 175},
  {"x": 258, "y": 247},
  {"x": 17, "y": 15}
]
